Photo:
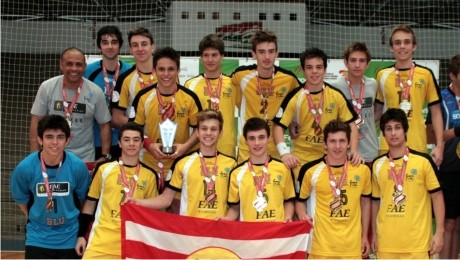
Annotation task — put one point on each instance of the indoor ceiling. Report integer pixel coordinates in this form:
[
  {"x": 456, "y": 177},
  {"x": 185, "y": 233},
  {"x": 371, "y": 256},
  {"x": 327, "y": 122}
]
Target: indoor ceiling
[{"x": 419, "y": 13}]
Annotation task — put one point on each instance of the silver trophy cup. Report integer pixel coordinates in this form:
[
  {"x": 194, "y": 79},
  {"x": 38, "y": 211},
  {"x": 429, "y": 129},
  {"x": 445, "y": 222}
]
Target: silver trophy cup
[{"x": 168, "y": 133}]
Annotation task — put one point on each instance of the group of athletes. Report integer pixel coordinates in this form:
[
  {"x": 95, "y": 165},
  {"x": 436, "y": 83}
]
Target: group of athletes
[{"x": 359, "y": 195}]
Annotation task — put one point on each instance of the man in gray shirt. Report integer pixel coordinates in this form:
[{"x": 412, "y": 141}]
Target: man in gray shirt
[{"x": 78, "y": 100}]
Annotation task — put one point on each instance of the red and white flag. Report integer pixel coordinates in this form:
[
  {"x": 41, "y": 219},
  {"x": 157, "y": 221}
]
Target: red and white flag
[{"x": 148, "y": 233}]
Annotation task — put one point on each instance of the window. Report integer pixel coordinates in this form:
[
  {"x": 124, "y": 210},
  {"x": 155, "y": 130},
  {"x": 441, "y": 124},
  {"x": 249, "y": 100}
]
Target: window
[
  {"x": 215, "y": 15},
  {"x": 262, "y": 16},
  {"x": 236, "y": 16},
  {"x": 276, "y": 16},
  {"x": 201, "y": 16},
  {"x": 293, "y": 17},
  {"x": 184, "y": 15}
]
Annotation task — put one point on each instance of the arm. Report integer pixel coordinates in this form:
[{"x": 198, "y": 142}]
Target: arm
[
  {"x": 118, "y": 117},
  {"x": 161, "y": 201},
  {"x": 378, "y": 110},
  {"x": 84, "y": 220},
  {"x": 106, "y": 140},
  {"x": 301, "y": 212},
  {"x": 23, "y": 208},
  {"x": 437, "y": 241},
  {"x": 33, "y": 134},
  {"x": 288, "y": 211},
  {"x": 354, "y": 156},
  {"x": 436, "y": 117},
  {"x": 290, "y": 160},
  {"x": 375, "y": 205},
  {"x": 365, "y": 221},
  {"x": 233, "y": 213}
]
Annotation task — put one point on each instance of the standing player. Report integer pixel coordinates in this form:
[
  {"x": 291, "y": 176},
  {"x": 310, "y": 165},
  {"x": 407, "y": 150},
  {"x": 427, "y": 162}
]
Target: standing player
[
  {"x": 404, "y": 187},
  {"x": 202, "y": 176},
  {"x": 264, "y": 86},
  {"x": 48, "y": 185},
  {"x": 216, "y": 90},
  {"x": 312, "y": 106},
  {"x": 408, "y": 86},
  {"x": 166, "y": 99},
  {"x": 261, "y": 188},
  {"x": 360, "y": 91},
  {"x": 104, "y": 73},
  {"x": 141, "y": 75},
  {"x": 338, "y": 196},
  {"x": 80, "y": 101},
  {"x": 114, "y": 182}
]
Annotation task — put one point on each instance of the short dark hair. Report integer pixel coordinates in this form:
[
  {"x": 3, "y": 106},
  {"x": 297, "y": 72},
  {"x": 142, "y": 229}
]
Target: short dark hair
[
  {"x": 357, "y": 46},
  {"x": 211, "y": 41},
  {"x": 255, "y": 124},
  {"x": 130, "y": 126},
  {"x": 402, "y": 28},
  {"x": 394, "y": 114},
  {"x": 71, "y": 49},
  {"x": 53, "y": 122},
  {"x": 454, "y": 65},
  {"x": 210, "y": 114},
  {"x": 311, "y": 53},
  {"x": 263, "y": 36},
  {"x": 142, "y": 32},
  {"x": 335, "y": 126},
  {"x": 166, "y": 52},
  {"x": 109, "y": 30}
]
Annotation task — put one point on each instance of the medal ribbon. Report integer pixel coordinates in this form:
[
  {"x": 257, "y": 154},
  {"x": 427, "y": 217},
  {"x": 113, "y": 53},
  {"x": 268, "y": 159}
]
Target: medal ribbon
[
  {"x": 108, "y": 89},
  {"x": 357, "y": 103},
  {"x": 141, "y": 80},
  {"x": 209, "y": 178},
  {"x": 167, "y": 110},
  {"x": 68, "y": 109},
  {"x": 161, "y": 175},
  {"x": 260, "y": 181},
  {"x": 317, "y": 111},
  {"x": 398, "y": 178},
  {"x": 129, "y": 186},
  {"x": 215, "y": 99},
  {"x": 49, "y": 192},
  {"x": 337, "y": 188},
  {"x": 264, "y": 94},
  {"x": 406, "y": 85}
]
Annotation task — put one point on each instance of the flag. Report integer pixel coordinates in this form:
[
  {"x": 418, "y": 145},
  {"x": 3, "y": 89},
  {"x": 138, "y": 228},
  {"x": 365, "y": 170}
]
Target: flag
[{"x": 148, "y": 233}]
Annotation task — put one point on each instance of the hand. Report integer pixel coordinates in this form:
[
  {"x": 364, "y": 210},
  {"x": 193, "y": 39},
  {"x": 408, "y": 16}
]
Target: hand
[
  {"x": 307, "y": 218},
  {"x": 355, "y": 158},
  {"x": 437, "y": 155},
  {"x": 155, "y": 150},
  {"x": 80, "y": 247},
  {"x": 374, "y": 242},
  {"x": 365, "y": 246},
  {"x": 294, "y": 130},
  {"x": 223, "y": 218},
  {"x": 130, "y": 199},
  {"x": 287, "y": 219},
  {"x": 99, "y": 161},
  {"x": 437, "y": 242},
  {"x": 179, "y": 150},
  {"x": 290, "y": 160}
]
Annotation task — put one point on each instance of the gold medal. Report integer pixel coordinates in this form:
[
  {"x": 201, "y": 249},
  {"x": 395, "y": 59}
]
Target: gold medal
[
  {"x": 336, "y": 204},
  {"x": 49, "y": 205}
]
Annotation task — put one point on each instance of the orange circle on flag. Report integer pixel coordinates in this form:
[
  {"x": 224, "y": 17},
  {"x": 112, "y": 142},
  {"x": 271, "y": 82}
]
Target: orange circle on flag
[{"x": 213, "y": 252}]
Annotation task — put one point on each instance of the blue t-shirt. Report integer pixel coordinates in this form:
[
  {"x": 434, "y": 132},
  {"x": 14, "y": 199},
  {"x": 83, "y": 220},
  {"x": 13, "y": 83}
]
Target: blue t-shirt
[
  {"x": 69, "y": 184},
  {"x": 95, "y": 74}
]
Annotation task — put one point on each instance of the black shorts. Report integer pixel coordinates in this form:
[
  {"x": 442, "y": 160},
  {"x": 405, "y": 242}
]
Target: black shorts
[
  {"x": 35, "y": 252},
  {"x": 450, "y": 184}
]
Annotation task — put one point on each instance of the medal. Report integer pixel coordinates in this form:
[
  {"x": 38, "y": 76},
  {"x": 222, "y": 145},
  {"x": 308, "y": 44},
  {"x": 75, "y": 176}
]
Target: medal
[
  {"x": 264, "y": 94},
  {"x": 141, "y": 80},
  {"x": 315, "y": 110},
  {"x": 336, "y": 188},
  {"x": 166, "y": 109},
  {"x": 209, "y": 179},
  {"x": 398, "y": 198},
  {"x": 260, "y": 203},
  {"x": 214, "y": 96},
  {"x": 69, "y": 120},
  {"x": 68, "y": 108},
  {"x": 398, "y": 177},
  {"x": 406, "y": 106},
  {"x": 357, "y": 102},
  {"x": 129, "y": 185},
  {"x": 335, "y": 205},
  {"x": 359, "y": 122},
  {"x": 49, "y": 205}
]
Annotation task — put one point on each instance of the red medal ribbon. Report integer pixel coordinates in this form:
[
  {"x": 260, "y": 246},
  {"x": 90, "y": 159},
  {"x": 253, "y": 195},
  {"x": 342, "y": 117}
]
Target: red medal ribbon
[
  {"x": 129, "y": 186},
  {"x": 398, "y": 178},
  {"x": 407, "y": 84},
  {"x": 108, "y": 89},
  {"x": 49, "y": 192},
  {"x": 215, "y": 98},
  {"x": 259, "y": 181},
  {"x": 337, "y": 187},
  {"x": 68, "y": 109},
  {"x": 317, "y": 111},
  {"x": 167, "y": 110},
  {"x": 209, "y": 178},
  {"x": 264, "y": 94},
  {"x": 357, "y": 103},
  {"x": 141, "y": 80}
]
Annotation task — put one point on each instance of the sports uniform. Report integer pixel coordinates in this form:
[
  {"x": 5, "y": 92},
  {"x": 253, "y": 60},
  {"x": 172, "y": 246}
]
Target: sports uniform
[
  {"x": 424, "y": 88},
  {"x": 95, "y": 73},
  {"x": 413, "y": 217},
  {"x": 127, "y": 87},
  {"x": 69, "y": 184},
  {"x": 107, "y": 187},
  {"x": 279, "y": 188},
  {"x": 308, "y": 146},
  {"x": 368, "y": 142},
  {"x": 336, "y": 234},
  {"x": 148, "y": 115},
  {"x": 90, "y": 107},
  {"x": 188, "y": 178},
  {"x": 230, "y": 96},
  {"x": 274, "y": 88}
]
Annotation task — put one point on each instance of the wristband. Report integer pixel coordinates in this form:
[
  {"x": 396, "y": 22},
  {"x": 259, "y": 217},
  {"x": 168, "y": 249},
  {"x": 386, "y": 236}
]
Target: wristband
[
  {"x": 457, "y": 131},
  {"x": 147, "y": 142},
  {"x": 83, "y": 221},
  {"x": 282, "y": 148}
]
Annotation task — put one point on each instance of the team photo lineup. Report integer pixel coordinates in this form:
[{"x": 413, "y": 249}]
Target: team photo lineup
[{"x": 353, "y": 163}]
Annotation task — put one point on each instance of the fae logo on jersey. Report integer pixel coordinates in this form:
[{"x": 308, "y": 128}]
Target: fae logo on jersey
[
  {"x": 227, "y": 93},
  {"x": 182, "y": 112},
  {"x": 281, "y": 93}
]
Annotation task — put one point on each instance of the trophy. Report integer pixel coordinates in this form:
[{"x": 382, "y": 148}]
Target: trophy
[{"x": 168, "y": 133}]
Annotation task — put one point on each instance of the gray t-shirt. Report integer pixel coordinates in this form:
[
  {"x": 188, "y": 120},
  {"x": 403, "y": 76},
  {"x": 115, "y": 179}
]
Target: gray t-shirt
[
  {"x": 90, "y": 107},
  {"x": 368, "y": 143}
]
